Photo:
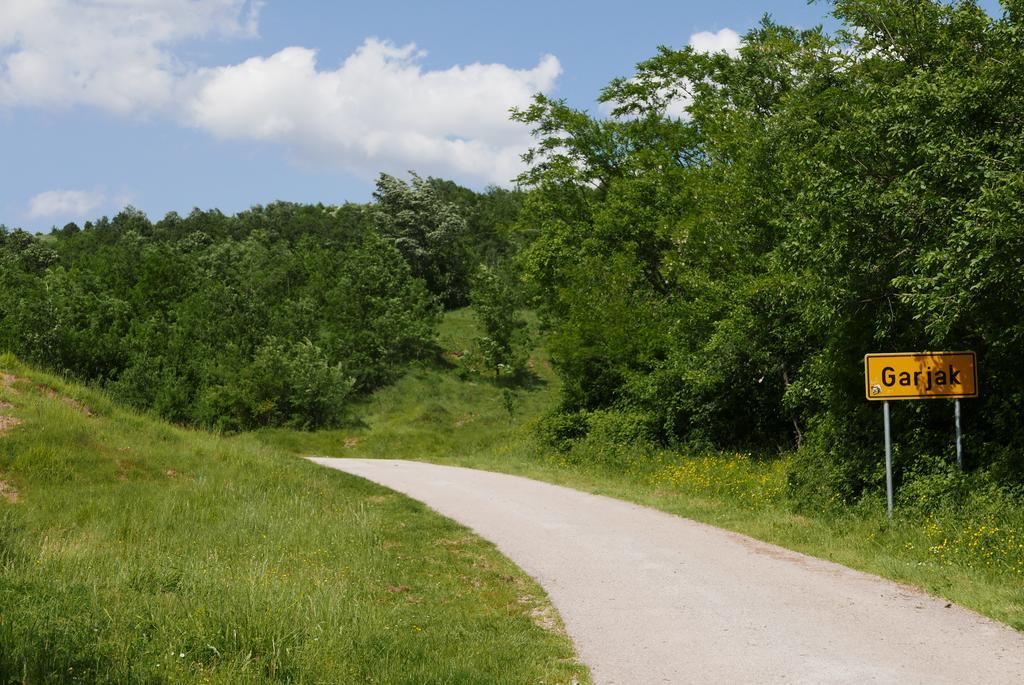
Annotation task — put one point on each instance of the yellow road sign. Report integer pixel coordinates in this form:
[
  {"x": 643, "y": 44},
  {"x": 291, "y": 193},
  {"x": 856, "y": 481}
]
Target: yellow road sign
[{"x": 920, "y": 375}]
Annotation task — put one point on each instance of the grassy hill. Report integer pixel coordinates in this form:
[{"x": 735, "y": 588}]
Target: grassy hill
[
  {"x": 135, "y": 551},
  {"x": 442, "y": 411}
]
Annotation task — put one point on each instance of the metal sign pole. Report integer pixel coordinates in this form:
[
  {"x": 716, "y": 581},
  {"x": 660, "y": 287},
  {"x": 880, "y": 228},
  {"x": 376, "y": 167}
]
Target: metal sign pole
[
  {"x": 919, "y": 376},
  {"x": 888, "y": 458},
  {"x": 959, "y": 446}
]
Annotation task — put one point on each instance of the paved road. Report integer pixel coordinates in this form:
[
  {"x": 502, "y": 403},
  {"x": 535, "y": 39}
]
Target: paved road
[{"x": 652, "y": 598}]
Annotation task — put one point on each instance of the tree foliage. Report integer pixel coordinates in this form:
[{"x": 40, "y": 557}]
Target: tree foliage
[
  {"x": 271, "y": 317},
  {"x": 504, "y": 343},
  {"x": 429, "y": 232},
  {"x": 722, "y": 273}
]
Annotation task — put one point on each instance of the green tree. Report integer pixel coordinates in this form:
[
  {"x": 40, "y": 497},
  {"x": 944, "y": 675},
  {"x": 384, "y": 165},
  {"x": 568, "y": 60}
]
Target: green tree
[
  {"x": 428, "y": 232},
  {"x": 505, "y": 340},
  {"x": 722, "y": 273}
]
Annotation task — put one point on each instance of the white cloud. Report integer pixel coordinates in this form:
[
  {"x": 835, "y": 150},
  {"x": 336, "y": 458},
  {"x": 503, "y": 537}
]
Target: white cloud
[
  {"x": 112, "y": 54},
  {"x": 725, "y": 40},
  {"x": 57, "y": 203},
  {"x": 379, "y": 110}
]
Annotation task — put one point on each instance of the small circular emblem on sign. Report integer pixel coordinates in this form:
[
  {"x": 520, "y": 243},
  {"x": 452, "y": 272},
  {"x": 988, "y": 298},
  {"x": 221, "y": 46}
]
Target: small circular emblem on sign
[{"x": 876, "y": 390}]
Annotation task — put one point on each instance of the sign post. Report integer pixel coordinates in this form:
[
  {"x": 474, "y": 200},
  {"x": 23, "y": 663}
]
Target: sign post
[
  {"x": 959, "y": 448},
  {"x": 919, "y": 376},
  {"x": 888, "y": 459}
]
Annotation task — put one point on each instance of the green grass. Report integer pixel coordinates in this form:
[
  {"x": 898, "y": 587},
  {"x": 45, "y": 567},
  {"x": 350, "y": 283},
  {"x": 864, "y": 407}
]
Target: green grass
[
  {"x": 437, "y": 413},
  {"x": 140, "y": 552},
  {"x": 972, "y": 553}
]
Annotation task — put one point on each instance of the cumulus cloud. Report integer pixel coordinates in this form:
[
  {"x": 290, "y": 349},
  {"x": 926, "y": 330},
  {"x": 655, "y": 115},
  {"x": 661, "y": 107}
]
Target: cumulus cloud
[
  {"x": 111, "y": 54},
  {"x": 59, "y": 203},
  {"x": 725, "y": 40},
  {"x": 379, "y": 110}
]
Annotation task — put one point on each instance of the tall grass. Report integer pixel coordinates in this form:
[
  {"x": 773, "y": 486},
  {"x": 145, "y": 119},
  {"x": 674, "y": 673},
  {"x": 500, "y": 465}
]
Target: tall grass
[{"x": 140, "y": 552}]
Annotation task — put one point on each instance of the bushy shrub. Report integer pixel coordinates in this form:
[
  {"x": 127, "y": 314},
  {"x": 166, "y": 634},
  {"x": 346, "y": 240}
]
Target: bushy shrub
[
  {"x": 621, "y": 427},
  {"x": 560, "y": 429},
  {"x": 615, "y": 439},
  {"x": 286, "y": 384}
]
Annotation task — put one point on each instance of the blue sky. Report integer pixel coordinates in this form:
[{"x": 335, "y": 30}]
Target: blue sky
[{"x": 173, "y": 104}]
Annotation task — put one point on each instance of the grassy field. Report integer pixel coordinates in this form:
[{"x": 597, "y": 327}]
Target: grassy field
[
  {"x": 972, "y": 553},
  {"x": 134, "y": 551}
]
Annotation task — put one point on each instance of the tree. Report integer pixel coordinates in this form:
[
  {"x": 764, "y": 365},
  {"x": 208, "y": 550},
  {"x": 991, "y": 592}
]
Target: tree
[
  {"x": 505, "y": 341},
  {"x": 429, "y": 234},
  {"x": 723, "y": 273}
]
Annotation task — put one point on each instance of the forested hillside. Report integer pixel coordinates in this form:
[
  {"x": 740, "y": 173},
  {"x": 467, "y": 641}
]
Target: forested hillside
[
  {"x": 276, "y": 316},
  {"x": 717, "y": 257}
]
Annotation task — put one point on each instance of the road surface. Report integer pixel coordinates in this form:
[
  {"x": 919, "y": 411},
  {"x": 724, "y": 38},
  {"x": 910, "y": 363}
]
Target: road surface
[{"x": 648, "y": 597}]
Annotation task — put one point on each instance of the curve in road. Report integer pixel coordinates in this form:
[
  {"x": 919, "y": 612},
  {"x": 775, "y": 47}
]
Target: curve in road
[{"x": 648, "y": 597}]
